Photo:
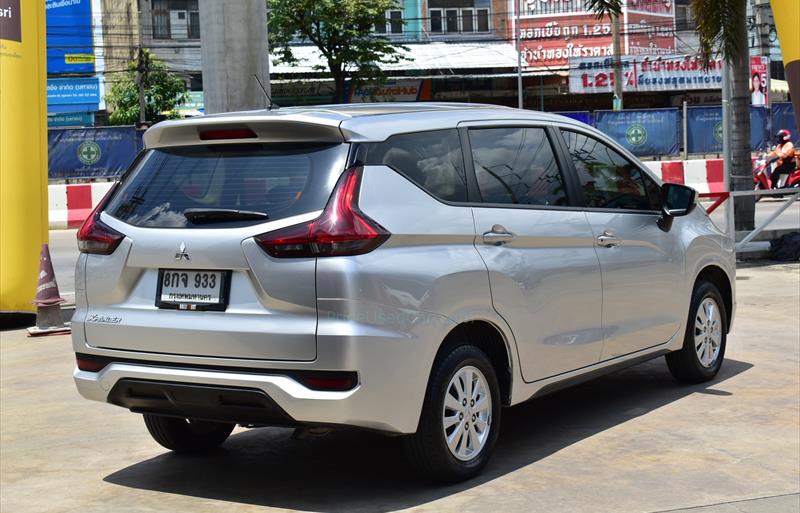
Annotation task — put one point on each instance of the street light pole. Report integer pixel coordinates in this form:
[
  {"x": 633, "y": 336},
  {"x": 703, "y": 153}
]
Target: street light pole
[{"x": 519, "y": 54}]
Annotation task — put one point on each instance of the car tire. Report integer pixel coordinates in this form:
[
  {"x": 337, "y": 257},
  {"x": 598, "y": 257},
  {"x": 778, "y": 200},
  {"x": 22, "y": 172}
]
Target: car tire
[
  {"x": 184, "y": 435},
  {"x": 445, "y": 416},
  {"x": 705, "y": 338}
]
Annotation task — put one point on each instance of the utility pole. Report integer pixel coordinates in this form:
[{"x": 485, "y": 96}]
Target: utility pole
[
  {"x": 518, "y": 39},
  {"x": 141, "y": 71},
  {"x": 618, "y": 77}
]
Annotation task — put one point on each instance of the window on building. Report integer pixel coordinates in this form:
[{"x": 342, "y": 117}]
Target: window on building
[
  {"x": 392, "y": 23},
  {"x": 483, "y": 20},
  {"x": 436, "y": 21},
  {"x": 516, "y": 166},
  {"x": 396, "y": 22},
  {"x": 451, "y": 20},
  {"x": 467, "y": 21},
  {"x": 176, "y": 19},
  {"x": 161, "y": 19}
]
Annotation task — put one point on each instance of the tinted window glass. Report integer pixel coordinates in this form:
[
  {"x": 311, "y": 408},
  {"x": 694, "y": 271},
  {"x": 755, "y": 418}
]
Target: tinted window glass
[
  {"x": 608, "y": 179},
  {"x": 279, "y": 180},
  {"x": 432, "y": 160},
  {"x": 516, "y": 165}
]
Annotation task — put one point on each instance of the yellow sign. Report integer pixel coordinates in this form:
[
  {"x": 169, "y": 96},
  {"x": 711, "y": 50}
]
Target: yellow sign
[
  {"x": 787, "y": 19},
  {"x": 23, "y": 151},
  {"x": 79, "y": 58}
]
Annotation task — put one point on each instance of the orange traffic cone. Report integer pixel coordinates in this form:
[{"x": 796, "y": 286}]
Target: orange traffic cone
[{"x": 48, "y": 302}]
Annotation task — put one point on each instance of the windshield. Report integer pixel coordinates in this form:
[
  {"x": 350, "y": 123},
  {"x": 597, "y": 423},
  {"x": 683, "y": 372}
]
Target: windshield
[{"x": 276, "y": 180}]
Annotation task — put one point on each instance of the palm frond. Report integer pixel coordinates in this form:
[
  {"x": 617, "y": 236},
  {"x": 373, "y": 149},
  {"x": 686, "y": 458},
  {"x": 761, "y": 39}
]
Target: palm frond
[
  {"x": 604, "y": 8},
  {"x": 719, "y": 28}
]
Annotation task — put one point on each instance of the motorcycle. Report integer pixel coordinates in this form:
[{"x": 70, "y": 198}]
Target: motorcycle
[{"x": 763, "y": 172}]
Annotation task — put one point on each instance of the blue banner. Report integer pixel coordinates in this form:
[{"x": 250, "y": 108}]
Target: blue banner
[
  {"x": 783, "y": 117},
  {"x": 582, "y": 116},
  {"x": 643, "y": 132},
  {"x": 704, "y": 129},
  {"x": 759, "y": 128},
  {"x": 90, "y": 152},
  {"x": 69, "y": 36}
]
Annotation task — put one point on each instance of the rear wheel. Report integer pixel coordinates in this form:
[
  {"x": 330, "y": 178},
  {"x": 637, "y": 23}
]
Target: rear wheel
[
  {"x": 704, "y": 340},
  {"x": 185, "y": 435},
  {"x": 460, "y": 417}
]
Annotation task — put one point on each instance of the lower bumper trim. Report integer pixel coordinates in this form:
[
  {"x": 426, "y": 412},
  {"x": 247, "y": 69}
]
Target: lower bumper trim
[{"x": 202, "y": 402}]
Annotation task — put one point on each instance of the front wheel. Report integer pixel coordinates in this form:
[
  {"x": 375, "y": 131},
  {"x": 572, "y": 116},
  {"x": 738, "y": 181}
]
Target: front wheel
[
  {"x": 185, "y": 435},
  {"x": 460, "y": 417},
  {"x": 704, "y": 340}
]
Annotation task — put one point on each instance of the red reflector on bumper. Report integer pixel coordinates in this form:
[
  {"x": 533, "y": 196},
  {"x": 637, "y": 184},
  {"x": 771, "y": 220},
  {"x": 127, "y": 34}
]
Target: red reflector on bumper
[{"x": 88, "y": 365}]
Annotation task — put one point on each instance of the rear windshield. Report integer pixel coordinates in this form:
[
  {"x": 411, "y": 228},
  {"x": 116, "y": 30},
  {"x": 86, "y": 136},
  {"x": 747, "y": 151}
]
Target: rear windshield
[{"x": 279, "y": 180}]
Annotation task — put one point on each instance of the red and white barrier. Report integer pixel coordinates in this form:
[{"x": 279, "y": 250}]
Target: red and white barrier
[
  {"x": 71, "y": 204},
  {"x": 704, "y": 175}
]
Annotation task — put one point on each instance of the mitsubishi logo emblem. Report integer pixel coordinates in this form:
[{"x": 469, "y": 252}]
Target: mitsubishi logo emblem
[{"x": 182, "y": 254}]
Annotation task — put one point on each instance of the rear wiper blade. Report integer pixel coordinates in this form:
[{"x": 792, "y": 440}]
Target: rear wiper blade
[{"x": 221, "y": 215}]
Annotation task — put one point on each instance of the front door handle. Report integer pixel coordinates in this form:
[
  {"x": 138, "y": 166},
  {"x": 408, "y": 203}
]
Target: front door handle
[
  {"x": 608, "y": 240},
  {"x": 497, "y": 236}
]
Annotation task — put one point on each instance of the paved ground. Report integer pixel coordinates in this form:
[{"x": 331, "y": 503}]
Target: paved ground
[
  {"x": 64, "y": 250},
  {"x": 633, "y": 441}
]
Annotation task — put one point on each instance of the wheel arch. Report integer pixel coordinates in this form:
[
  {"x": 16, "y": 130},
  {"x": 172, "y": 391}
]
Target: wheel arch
[
  {"x": 720, "y": 279},
  {"x": 490, "y": 339}
]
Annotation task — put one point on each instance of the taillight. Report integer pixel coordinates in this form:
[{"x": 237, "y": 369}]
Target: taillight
[
  {"x": 227, "y": 133},
  {"x": 341, "y": 230},
  {"x": 96, "y": 237}
]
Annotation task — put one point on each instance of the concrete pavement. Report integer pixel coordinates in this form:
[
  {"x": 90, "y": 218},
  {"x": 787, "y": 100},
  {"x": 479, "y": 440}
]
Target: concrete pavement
[{"x": 634, "y": 441}]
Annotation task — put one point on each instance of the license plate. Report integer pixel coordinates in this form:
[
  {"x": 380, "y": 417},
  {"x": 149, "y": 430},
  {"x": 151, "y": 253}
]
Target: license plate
[{"x": 182, "y": 289}]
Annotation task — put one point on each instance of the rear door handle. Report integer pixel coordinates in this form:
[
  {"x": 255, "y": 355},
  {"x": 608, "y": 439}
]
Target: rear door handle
[
  {"x": 497, "y": 236},
  {"x": 608, "y": 240}
]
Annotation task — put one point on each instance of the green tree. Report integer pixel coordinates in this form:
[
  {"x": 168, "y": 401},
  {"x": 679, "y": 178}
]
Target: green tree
[
  {"x": 722, "y": 30},
  {"x": 163, "y": 91},
  {"x": 342, "y": 31}
]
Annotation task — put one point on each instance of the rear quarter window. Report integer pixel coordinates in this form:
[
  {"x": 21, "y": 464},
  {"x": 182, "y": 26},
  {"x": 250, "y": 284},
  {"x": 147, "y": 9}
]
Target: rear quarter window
[
  {"x": 280, "y": 180},
  {"x": 432, "y": 160}
]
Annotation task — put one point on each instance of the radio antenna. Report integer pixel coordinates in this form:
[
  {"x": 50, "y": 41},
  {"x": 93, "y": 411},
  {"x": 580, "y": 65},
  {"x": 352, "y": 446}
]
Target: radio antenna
[{"x": 270, "y": 104}]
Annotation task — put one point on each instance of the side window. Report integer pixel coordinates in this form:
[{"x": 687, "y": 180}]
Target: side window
[
  {"x": 517, "y": 166},
  {"x": 608, "y": 179},
  {"x": 432, "y": 160}
]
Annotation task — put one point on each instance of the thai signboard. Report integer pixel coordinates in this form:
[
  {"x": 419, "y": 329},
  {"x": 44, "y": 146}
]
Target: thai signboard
[
  {"x": 645, "y": 73},
  {"x": 554, "y": 31}
]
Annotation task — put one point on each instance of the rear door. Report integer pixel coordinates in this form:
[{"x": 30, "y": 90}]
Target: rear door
[
  {"x": 186, "y": 280},
  {"x": 538, "y": 248},
  {"x": 642, "y": 265}
]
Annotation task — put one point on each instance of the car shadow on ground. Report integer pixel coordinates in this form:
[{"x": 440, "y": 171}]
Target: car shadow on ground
[{"x": 358, "y": 471}]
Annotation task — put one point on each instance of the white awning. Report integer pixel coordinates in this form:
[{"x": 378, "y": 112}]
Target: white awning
[{"x": 419, "y": 56}]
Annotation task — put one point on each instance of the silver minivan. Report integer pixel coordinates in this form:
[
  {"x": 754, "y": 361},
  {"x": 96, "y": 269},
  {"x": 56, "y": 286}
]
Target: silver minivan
[{"x": 410, "y": 268}]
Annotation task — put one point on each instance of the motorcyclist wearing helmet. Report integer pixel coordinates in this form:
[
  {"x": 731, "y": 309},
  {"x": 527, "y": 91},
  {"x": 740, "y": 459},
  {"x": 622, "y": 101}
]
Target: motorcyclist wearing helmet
[{"x": 784, "y": 153}]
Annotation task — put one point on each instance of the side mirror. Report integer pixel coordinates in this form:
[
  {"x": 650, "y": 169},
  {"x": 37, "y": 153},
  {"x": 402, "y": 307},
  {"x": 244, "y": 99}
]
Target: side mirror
[{"x": 676, "y": 200}]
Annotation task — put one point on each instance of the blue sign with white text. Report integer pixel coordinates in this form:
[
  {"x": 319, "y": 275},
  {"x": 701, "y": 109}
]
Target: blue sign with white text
[
  {"x": 90, "y": 152},
  {"x": 80, "y": 94},
  {"x": 643, "y": 132},
  {"x": 71, "y": 119},
  {"x": 69, "y": 37}
]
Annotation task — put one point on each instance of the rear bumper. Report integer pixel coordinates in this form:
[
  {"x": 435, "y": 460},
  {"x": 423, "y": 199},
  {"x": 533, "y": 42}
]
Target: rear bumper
[{"x": 246, "y": 398}]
